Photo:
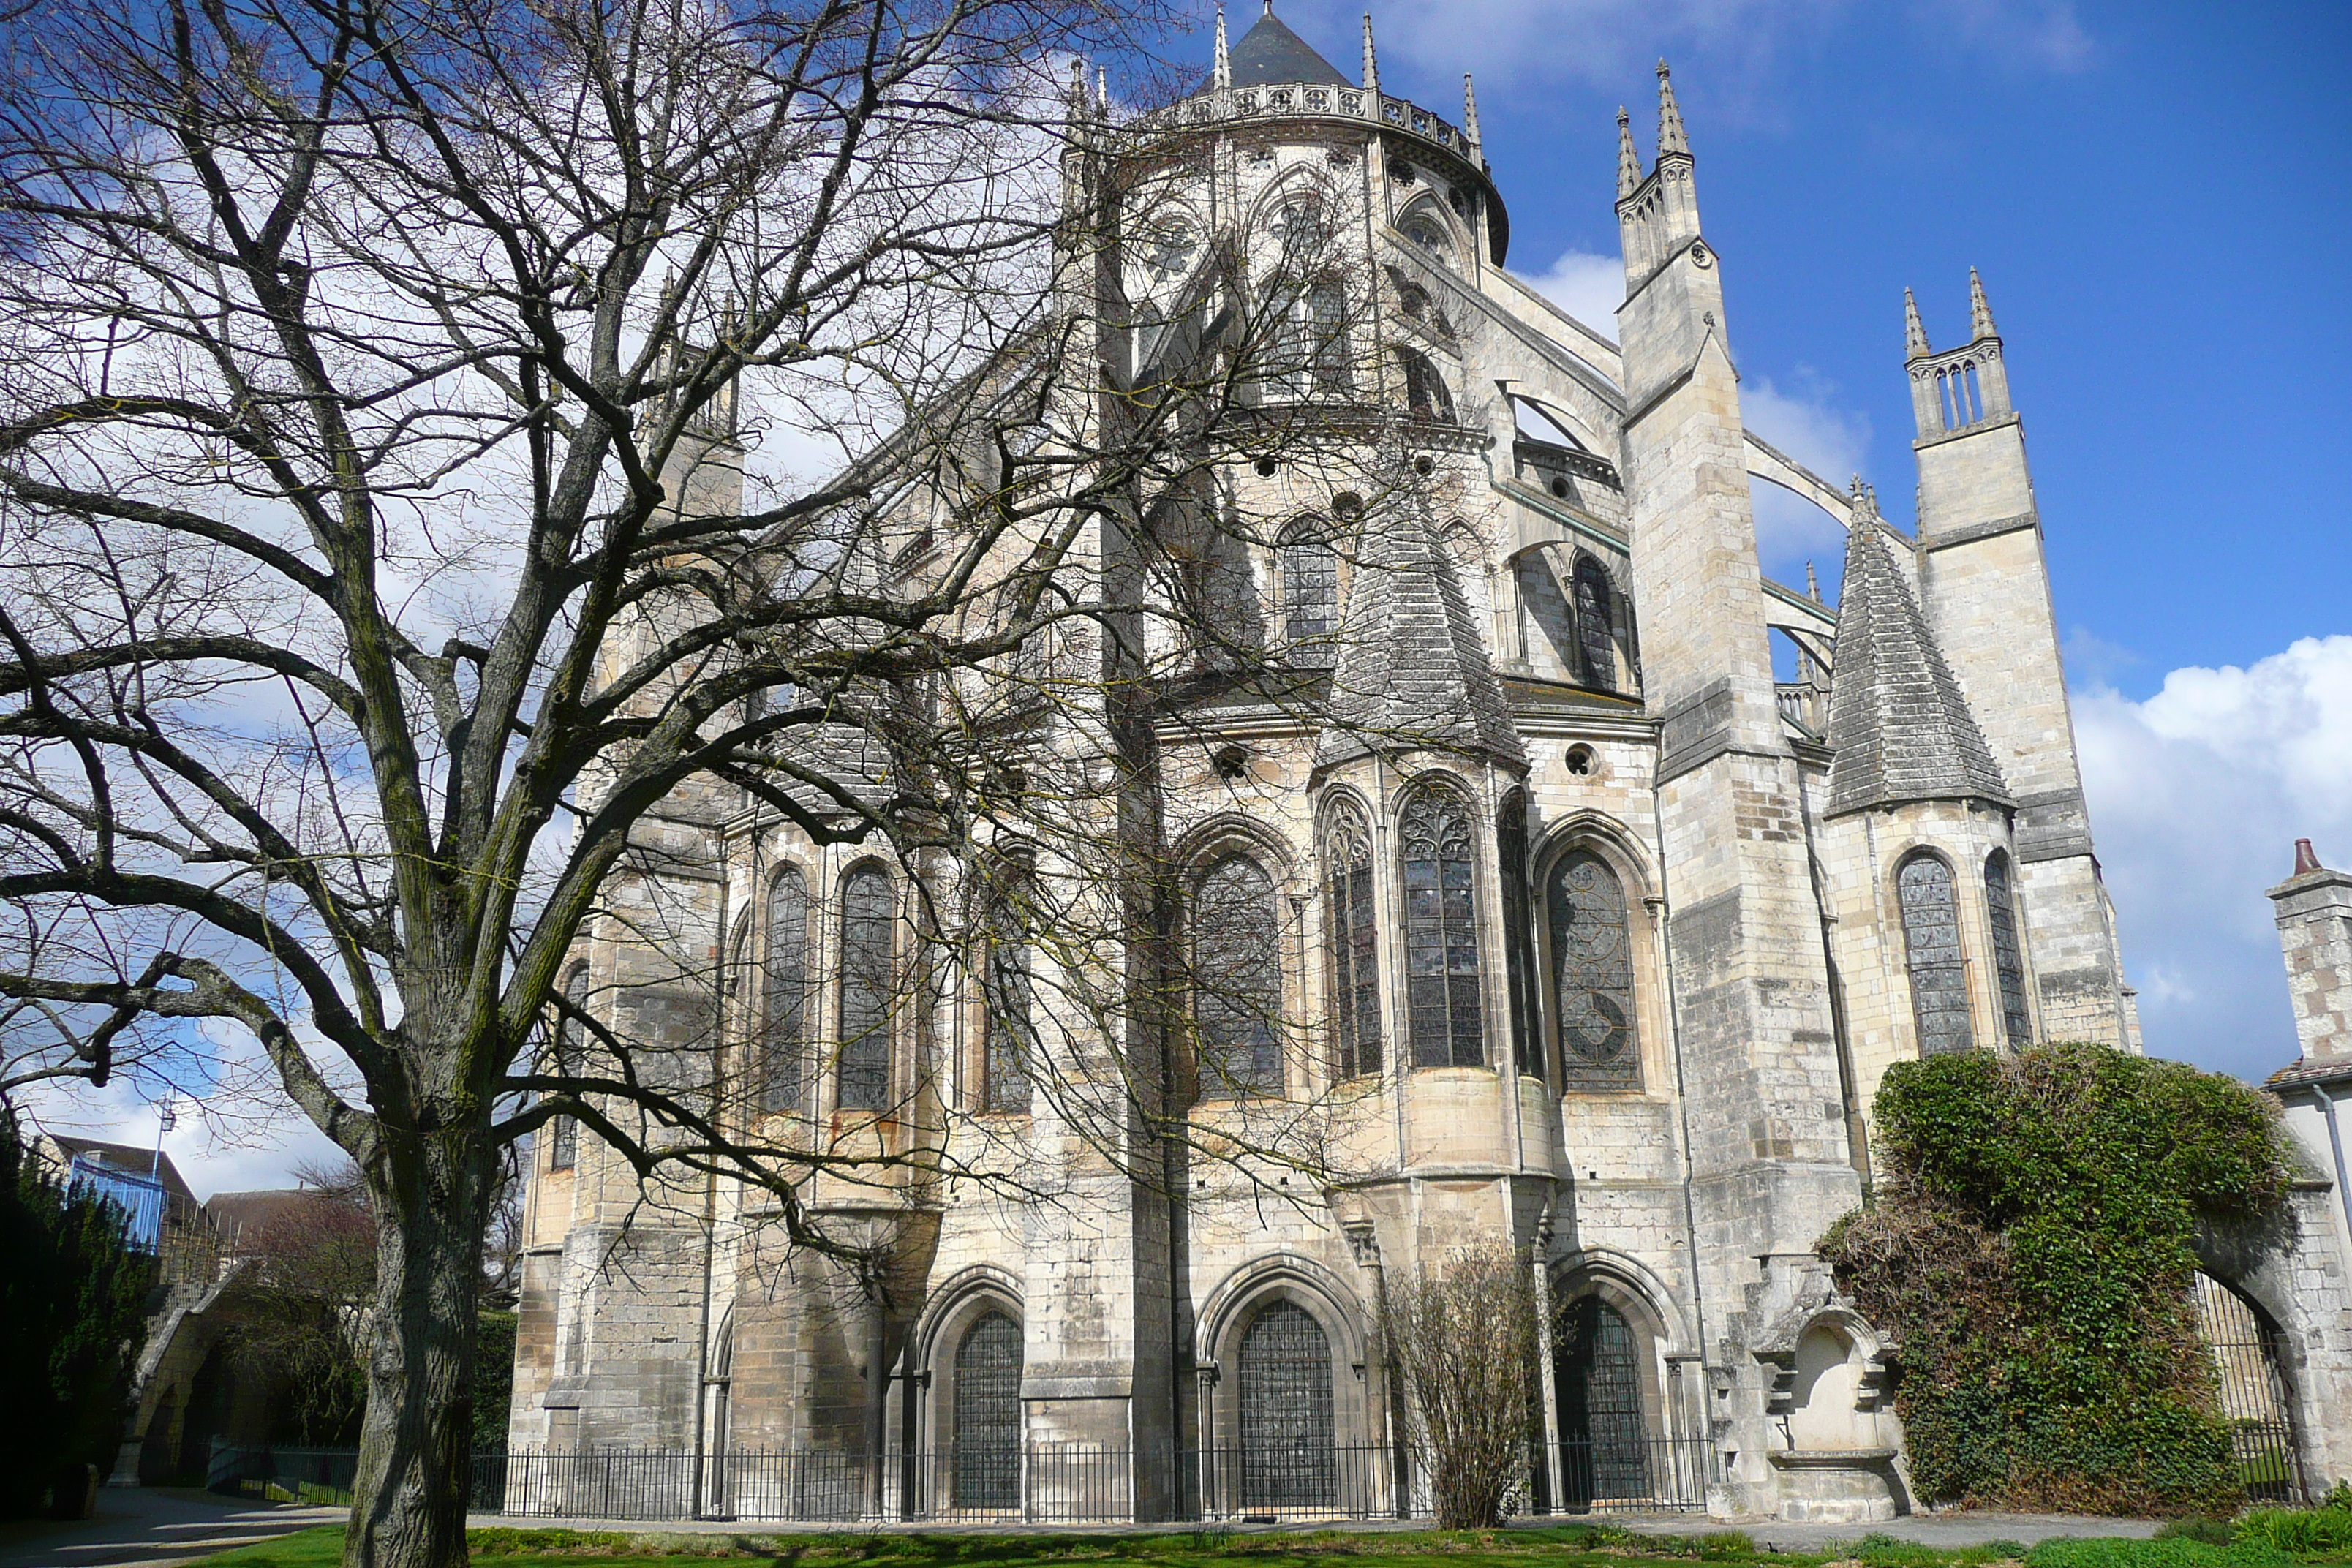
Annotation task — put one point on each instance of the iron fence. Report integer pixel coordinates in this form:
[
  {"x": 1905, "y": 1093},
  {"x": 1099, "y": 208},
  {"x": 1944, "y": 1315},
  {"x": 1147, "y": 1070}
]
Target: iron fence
[{"x": 1014, "y": 1483}]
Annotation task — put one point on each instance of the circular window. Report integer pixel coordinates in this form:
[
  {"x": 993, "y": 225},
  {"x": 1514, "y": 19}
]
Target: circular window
[
  {"x": 1346, "y": 503},
  {"x": 1265, "y": 468},
  {"x": 1560, "y": 488},
  {"x": 1580, "y": 760},
  {"x": 1423, "y": 466},
  {"x": 1231, "y": 762}
]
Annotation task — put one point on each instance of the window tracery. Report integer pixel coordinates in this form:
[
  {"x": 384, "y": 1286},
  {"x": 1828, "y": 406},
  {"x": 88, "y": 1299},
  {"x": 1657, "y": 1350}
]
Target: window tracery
[
  {"x": 1310, "y": 594},
  {"x": 571, "y": 1056},
  {"x": 1441, "y": 927},
  {"x": 1352, "y": 929},
  {"x": 868, "y": 923},
  {"x": 784, "y": 993},
  {"x": 1931, "y": 936},
  {"x": 1237, "y": 973},
  {"x": 2008, "y": 964},
  {"x": 1592, "y": 973},
  {"x": 1595, "y": 624},
  {"x": 1008, "y": 1031}
]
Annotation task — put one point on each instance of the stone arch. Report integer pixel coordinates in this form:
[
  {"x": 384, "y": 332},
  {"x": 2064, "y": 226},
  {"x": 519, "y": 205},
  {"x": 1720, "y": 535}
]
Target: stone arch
[
  {"x": 1614, "y": 1402},
  {"x": 1610, "y": 842},
  {"x": 1426, "y": 208},
  {"x": 1224, "y": 832},
  {"x": 1284, "y": 1282}
]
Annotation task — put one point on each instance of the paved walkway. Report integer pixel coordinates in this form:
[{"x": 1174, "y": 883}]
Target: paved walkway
[
  {"x": 1945, "y": 1530},
  {"x": 153, "y": 1527}
]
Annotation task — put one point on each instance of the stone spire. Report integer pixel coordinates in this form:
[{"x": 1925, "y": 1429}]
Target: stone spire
[
  {"x": 1671, "y": 138},
  {"x": 1102, "y": 92},
  {"x": 1412, "y": 672},
  {"x": 1221, "y": 67},
  {"x": 1812, "y": 584},
  {"x": 1469, "y": 110},
  {"x": 1980, "y": 325},
  {"x": 1899, "y": 726},
  {"x": 1371, "y": 67},
  {"x": 1914, "y": 334},
  {"x": 1629, "y": 162}
]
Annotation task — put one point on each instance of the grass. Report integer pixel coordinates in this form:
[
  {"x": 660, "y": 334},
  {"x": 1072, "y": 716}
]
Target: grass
[{"x": 1557, "y": 1546}]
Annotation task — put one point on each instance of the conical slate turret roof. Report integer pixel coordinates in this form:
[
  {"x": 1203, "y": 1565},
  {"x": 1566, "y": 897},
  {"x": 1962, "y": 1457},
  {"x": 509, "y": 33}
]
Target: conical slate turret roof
[
  {"x": 1412, "y": 671},
  {"x": 1271, "y": 52},
  {"x": 1899, "y": 723}
]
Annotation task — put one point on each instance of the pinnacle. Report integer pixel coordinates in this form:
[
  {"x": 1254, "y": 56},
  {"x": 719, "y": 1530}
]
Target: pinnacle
[
  {"x": 1915, "y": 333},
  {"x": 1979, "y": 313},
  {"x": 1629, "y": 162},
  {"x": 1671, "y": 136}
]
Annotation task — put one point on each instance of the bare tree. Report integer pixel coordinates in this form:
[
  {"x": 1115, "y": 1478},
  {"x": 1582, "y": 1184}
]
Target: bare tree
[
  {"x": 392, "y": 560},
  {"x": 1463, "y": 1332},
  {"x": 307, "y": 1273}
]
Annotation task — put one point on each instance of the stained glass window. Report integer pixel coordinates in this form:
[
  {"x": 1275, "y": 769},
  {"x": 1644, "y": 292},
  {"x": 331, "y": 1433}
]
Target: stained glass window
[
  {"x": 868, "y": 927},
  {"x": 1604, "y": 1434},
  {"x": 1518, "y": 966},
  {"x": 1354, "y": 931},
  {"x": 571, "y": 1055},
  {"x": 1931, "y": 936},
  {"x": 785, "y": 993},
  {"x": 1009, "y": 1031},
  {"x": 1595, "y": 627},
  {"x": 1284, "y": 1379},
  {"x": 1441, "y": 932},
  {"x": 1310, "y": 594},
  {"x": 2016, "y": 1018},
  {"x": 987, "y": 1420},
  {"x": 1592, "y": 973},
  {"x": 1237, "y": 972}
]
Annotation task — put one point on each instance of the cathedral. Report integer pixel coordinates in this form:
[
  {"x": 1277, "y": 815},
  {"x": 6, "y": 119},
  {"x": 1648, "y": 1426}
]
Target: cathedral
[{"x": 1603, "y": 885}]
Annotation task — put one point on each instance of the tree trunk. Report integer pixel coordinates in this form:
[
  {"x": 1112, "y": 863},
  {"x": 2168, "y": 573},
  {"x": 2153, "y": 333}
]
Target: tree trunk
[{"x": 415, "y": 1479}]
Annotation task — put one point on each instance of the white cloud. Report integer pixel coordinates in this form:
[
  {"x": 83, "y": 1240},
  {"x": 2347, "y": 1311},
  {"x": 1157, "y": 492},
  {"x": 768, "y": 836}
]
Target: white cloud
[
  {"x": 1588, "y": 286},
  {"x": 2196, "y": 796},
  {"x": 2044, "y": 34}
]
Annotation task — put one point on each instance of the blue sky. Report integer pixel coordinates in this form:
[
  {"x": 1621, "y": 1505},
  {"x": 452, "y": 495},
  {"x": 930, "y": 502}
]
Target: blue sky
[{"x": 2156, "y": 195}]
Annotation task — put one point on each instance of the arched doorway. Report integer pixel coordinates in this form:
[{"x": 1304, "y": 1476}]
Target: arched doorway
[
  {"x": 2253, "y": 1395},
  {"x": 1284, "y": 1388},
  {"x": 985, "y": 1434},
  {"x": 1601, "y": 1377}
]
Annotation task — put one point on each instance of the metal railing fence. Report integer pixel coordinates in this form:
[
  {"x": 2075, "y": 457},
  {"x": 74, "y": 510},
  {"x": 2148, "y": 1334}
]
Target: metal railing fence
[{"x": 1035, "y": 1483}]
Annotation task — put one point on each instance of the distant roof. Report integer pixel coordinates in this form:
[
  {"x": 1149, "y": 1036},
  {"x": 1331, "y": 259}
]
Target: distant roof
[
  {"x": 1271, "y": 52},
  {"x": 235, "y": 1213},
  {"x": 124, "y": 1158}
]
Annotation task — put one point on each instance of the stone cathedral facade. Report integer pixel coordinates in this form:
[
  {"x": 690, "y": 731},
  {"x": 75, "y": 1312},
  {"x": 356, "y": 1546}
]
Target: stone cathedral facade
[{"x": 1612, "y": 975}]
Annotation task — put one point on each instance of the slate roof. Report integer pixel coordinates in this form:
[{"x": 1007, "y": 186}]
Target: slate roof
[
  {"x": 1412, "y": 671},
  {"x": 1899, "y": 725},
  {"x": 1270, "y": 52}
]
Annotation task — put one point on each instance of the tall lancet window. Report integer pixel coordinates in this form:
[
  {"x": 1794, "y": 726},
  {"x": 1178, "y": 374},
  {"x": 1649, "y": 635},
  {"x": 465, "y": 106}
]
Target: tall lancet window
[
  {"x": 1237, "y": 980},
  {"x": 1592, "y": 973},
  {"x": 1352, "y": 929},
  {"x": 784, "y": 995},
  {"x": 2000, "y": 902},
  {"x": 1931, "y": 940},
  {"x": 869, "y": 917},
  {"x": 1441, "y": 932},
  {"x": 1009, "y": 1029},
  {"x": 571, "y": 1056},
  {"x": 1519, "y": 933},
  {"x": 1596, "y": 628},
  {"x": 1310, "y": 594}
]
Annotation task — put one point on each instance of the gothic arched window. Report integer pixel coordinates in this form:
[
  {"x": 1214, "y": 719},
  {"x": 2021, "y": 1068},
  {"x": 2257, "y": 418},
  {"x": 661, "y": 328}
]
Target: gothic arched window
[
  {"x": 1592, "y": 973},
  {"x": 571, "y": 1055},
  {"x": 1518, "y": 932},
  {"x": 2009, "y": 965},
  {"x": 1284, "y": 1383},
  {"x": 986, "y": 1421},
  {"x": 1441, "y": 932},
  {"x": 1425, "y": 392},
  {"x": 1008, "y": 1028},
  {"x": 869, "y": 917},
  {"x": 1931, "y": 940},
  {"x": 784, "y": 994},
  {"x": 1310, "y": 592},
  {"x": 1352, "y": 929},
  {"x": 1237, "y": 979},
  {"x": 1595, "y": 627}
]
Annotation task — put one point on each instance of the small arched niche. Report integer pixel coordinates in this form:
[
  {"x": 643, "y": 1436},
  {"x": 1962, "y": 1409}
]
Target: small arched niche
[{"x": 1833, "y": 1403}]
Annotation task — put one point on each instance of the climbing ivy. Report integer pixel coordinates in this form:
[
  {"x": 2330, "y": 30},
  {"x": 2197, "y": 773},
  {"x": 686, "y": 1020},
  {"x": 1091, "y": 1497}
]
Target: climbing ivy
[{"x": 2028, "y": 1246}]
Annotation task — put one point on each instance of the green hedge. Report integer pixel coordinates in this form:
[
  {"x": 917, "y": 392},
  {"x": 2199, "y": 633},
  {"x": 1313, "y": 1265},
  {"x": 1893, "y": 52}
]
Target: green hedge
[{"x": 2028, "y": 1246}]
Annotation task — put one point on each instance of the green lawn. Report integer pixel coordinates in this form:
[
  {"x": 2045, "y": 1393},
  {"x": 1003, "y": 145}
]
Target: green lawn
[{"x": 1563, "y": 1546}]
